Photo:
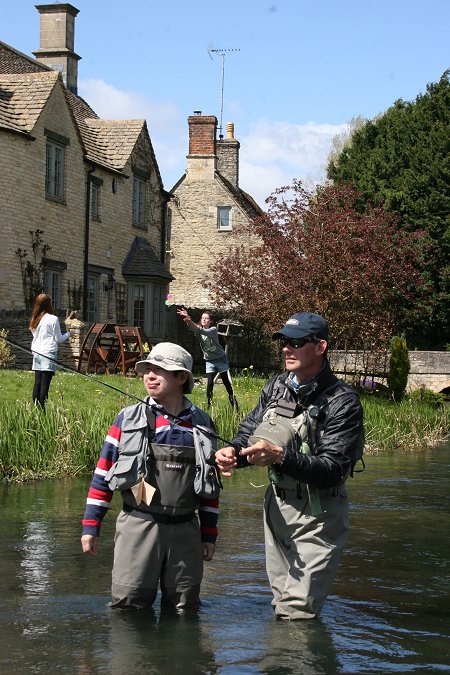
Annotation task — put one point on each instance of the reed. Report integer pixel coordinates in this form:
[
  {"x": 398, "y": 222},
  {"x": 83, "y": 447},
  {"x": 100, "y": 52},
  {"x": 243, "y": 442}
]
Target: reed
[{"x": 67, "y": 437}]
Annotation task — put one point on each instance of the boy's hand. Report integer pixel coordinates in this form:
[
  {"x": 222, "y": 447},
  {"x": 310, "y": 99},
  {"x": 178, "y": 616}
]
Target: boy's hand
[
  {"x": 208, "y": 550},
  {"x": 226, "y": 460},
  {"x": 89, "y": 544}
]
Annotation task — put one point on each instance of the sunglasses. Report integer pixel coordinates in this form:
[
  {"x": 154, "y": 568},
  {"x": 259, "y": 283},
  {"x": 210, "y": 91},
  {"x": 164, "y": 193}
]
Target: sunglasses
[{"x": 296, "y": 343}]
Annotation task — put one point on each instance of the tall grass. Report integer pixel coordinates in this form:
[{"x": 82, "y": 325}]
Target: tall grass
[{"x": 67, "y": 437}]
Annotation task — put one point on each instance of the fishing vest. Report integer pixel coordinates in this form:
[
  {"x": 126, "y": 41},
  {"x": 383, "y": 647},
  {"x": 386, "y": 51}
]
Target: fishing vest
[
  {"x": 169, "y": 469},
  {"x": 289, "y": 432},
  {"x": 280, "y": 427}
]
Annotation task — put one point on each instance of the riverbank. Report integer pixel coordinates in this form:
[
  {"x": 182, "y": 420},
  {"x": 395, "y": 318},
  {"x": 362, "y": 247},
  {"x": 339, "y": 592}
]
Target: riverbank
[{"x": 66, "y": 439}]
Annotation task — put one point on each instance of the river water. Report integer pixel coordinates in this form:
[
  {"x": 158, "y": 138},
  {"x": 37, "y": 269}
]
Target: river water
[{"x": 388, "y": 611}]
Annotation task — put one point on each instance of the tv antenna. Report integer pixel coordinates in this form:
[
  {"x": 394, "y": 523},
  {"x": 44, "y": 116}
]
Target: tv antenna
[{"x": 222, "y": 53}]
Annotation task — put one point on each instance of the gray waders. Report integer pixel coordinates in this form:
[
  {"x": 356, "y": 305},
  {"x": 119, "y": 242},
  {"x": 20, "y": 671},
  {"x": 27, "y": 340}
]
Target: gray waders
[
  {"x": 160, "y": 542},
  {"x": 305, "y": 528}
]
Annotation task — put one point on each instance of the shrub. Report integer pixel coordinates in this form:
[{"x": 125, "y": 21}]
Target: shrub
[
  {"x": 6, "y": 357},
  {"x": 399, "y": 367},
  {"x": 431, "y": 398}
]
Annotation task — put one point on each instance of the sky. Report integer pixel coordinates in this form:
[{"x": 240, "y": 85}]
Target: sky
[{"x": 295, "y": 71}]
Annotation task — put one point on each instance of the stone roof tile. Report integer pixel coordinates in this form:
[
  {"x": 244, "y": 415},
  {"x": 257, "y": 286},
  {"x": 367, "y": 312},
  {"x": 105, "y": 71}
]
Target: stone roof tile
[{"x": 23, "y": 97}]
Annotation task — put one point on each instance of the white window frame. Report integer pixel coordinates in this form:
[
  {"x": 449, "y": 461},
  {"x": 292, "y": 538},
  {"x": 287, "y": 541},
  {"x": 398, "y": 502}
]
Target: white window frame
[
  {"x": 54, "y": 169},
  {"x": 224, "y": 218},
  {"x": 139, "y": 190}
]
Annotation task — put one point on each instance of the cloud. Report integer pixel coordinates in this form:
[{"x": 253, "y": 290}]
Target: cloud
[{"x": 274, "y": 153}]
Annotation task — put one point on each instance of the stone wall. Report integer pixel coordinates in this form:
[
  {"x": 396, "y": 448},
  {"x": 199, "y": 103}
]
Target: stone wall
[{"x": 428, "y": 369}]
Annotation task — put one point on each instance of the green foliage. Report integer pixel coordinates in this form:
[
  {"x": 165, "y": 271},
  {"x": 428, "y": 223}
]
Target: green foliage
[
  {"x": 6, "y": 357},
  {"x": 405, "y": 426},
  {"x": 401, "y": 161},
  {"x": 321, "y": 253},
  {"x": 432, "y": 398},
  {"x": 399, "y": 367}
]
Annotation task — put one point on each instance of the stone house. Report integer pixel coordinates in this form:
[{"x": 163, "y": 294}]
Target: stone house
[
  {"x": 207, "y": 210},
  {"x": 82, "y": 204}
]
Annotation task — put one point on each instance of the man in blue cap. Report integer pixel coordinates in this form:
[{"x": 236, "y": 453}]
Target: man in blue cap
[{"x": 307, "y": 428}]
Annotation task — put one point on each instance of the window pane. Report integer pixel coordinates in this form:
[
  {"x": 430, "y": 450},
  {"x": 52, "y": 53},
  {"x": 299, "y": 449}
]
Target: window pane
[
  {"x": 94, "y": 200},
  {"x": 138, "y": 201},
  {"x": 52, "y": 286},
  {"x": 139, "y": 305},
  {"x": 54, "y": 170},
  {"x": 224, "y": 218}
]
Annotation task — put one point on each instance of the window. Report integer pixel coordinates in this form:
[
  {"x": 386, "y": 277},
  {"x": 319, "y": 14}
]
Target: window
[
  {"x": 54, "y": 170},
  {"x": 92, "y": 298},
  {"x": 95, "y": 201},
  {"x": 223, "y": 218},
  {"x": 139, "y": 305},
  {"x": 52, "y": 286},
  {"x": 138, "y": 201},
  {"x": 146, "y": 307}
]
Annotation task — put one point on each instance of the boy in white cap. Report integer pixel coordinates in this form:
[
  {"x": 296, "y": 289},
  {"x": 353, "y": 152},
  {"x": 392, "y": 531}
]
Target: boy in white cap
[{"x": 149, "y": 455}]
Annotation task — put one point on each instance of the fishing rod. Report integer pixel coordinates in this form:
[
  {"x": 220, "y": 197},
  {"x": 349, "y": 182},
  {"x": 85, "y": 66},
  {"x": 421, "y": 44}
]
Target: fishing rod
[{"x": 88, "y": 376}]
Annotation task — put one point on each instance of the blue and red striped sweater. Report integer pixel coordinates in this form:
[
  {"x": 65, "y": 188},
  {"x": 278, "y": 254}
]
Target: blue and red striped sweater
[{"x": 100, "y": 496}]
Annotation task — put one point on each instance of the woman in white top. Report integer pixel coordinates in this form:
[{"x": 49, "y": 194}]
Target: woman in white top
[{"x": 46, "y": 337}]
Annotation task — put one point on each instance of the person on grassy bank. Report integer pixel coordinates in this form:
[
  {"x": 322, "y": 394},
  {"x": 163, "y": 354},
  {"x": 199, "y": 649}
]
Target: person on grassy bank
[
  {"x": 307, "y": 427},
  {"x": 47, "y": 335},
  {"x": 158, "y": 538},
  {"x": 216, "y": 360}
]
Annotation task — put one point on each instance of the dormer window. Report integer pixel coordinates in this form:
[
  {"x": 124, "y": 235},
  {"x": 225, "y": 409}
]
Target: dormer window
[{"x": 224, "y": 218}]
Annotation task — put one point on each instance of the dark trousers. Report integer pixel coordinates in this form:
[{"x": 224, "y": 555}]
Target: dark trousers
[
  {"x": 226, "y": 379},
  {"x": 42, "y": 379}
]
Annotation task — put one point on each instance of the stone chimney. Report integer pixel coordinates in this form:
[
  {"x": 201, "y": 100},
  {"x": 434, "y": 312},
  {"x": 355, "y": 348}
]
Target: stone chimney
[
  {"x": 228, "y": 156},
  {"x": 57, "y": 41},
  {"x": 202, "y": 146}
]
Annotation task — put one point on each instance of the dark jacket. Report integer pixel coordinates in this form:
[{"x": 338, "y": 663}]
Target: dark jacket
[{"x": 339, "y": 439}]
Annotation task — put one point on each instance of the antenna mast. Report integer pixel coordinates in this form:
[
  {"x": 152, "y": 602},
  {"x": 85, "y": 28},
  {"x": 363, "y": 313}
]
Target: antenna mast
[{"x": 222, "y": 53}]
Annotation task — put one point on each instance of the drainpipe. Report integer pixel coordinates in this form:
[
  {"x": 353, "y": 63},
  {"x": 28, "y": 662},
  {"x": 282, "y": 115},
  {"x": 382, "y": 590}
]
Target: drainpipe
[{"x": 86, "y": 240}]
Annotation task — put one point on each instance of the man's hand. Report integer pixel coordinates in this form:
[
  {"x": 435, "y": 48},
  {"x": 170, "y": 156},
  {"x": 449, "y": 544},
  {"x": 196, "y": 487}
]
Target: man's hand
[
  {"x": 89, "y": 544},
  {"x": 263, "y": 453},
  {"x": 208, "y": 550},
  {"x": 226, "y": 460}
]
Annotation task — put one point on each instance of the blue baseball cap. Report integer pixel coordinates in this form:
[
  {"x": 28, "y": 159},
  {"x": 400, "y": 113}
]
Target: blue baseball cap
[{"x": 303, "y": 324}]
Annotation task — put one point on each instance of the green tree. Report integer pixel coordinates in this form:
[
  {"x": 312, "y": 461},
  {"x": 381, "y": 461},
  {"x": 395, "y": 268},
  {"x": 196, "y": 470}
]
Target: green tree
[
  {"x": 401, "y": 161},
  {"x": 399, "y": 367}
]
